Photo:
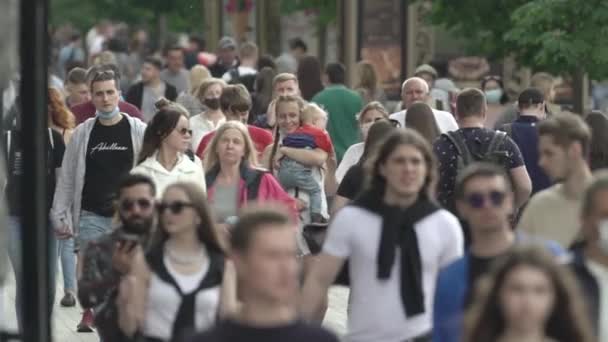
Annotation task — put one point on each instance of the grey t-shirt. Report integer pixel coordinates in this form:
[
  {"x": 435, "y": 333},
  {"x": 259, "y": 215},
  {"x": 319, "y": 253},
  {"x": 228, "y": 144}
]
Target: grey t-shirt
[
  {"x": 225, "y": 202},
  {"x": 149, "y": 98},
  {"x": 180, "y": 80}
]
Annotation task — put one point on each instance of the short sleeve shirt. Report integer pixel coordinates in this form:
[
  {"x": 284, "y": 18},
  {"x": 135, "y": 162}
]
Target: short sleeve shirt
[
  {"x": 477, "y": 140},
  {"x": 320, "y": 138}
]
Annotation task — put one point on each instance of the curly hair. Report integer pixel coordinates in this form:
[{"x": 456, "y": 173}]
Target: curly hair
[{"x": 59, "y": 113}]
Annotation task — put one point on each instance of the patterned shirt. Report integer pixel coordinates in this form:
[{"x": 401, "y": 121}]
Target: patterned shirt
[{"x": 477, "y": 140}]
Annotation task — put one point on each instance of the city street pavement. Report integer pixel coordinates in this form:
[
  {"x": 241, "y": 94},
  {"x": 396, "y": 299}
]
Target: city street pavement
[{"x": 66, "y": 319}]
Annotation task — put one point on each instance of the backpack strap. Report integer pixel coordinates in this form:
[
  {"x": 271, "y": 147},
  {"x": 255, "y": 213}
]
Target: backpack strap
[
  {"x": 252, "y": 181},
  {"x": 457, "y": 139},
  {"x": 507, "y": 128},
  {"x": 234, "y": 75}
]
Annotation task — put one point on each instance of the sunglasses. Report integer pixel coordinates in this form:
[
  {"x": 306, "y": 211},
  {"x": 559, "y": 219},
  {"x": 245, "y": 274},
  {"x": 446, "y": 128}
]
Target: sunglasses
[
  {"x": 478, "y": 200},
  {"x": 185, "y": 131},
  {"x": 174, "y": 207},
  {"x": 142, "y": 203}
]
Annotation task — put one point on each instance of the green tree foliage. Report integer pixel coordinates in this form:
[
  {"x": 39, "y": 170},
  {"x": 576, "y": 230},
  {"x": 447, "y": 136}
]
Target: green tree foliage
[
  {"x": 326, "y": 10},
  {"x": 561, "y": 36},
  {"x": 182, "y": 15}
]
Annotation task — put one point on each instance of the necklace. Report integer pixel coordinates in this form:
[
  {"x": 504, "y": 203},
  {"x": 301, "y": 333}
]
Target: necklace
[{"x": 184, "y": 259}]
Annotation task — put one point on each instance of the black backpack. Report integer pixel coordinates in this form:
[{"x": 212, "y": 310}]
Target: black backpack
[
  {"x": 247, "y": 80},
  {"x": 492, "y": 154}
]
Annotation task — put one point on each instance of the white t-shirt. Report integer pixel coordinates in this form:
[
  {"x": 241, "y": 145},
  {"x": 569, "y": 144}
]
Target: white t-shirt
[
  {"x": 445, "y": 120},
  {"x": 350, "y": 158},
  {"x": 376, "y": 309},
  {"x": 600, "y": 273},
  {"x": 200, "y": 126}
]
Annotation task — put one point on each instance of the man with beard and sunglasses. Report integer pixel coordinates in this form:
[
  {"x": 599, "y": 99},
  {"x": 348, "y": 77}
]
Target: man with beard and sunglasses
[
  {"x": 108, "y": 258},
  {"x": 485, "y": 199}
]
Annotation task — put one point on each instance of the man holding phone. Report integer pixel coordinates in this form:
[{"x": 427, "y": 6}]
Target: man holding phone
[{"x": 108, "y": 258}]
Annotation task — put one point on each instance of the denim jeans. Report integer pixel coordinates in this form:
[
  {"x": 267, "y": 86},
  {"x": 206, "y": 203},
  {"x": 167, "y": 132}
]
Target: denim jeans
[
  {"x": 14, "y": 253},
  {"x": 295, "y": 175},
  {"x": 92, "y": 227},
  {"x": 67, "y": 257}
]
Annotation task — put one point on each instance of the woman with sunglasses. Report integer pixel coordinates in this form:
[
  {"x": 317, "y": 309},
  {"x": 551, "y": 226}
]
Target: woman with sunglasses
[
  {"x": 187, "y": 282},
  {"x": 371, "y": 113},
  {"x": 496, "y": 96},
  {"x": 529, "y": 297},
  {"x": 164, "y": 156}
]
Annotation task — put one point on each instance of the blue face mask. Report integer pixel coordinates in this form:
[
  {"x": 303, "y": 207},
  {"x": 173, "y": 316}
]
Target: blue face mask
[
  {"x": 109, "y": 115},
  {"x": 493, "y": 96}
]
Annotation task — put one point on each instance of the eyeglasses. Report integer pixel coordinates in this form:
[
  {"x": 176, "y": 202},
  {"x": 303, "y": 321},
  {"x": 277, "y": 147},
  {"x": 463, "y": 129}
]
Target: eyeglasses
[
  {"x": 142, "y": 203},
  {"x": 478, "y": 200},
  {"x": 174, "y": 207},
  {"x": 185, "y": 131}
]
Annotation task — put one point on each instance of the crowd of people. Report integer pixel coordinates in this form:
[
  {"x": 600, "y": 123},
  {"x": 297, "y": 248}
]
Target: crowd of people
[{"x": 218, "y": 199}]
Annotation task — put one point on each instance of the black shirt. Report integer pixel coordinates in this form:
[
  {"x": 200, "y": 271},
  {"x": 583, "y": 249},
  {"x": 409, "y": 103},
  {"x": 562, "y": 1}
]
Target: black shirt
[
  {"x": 231, "y": 331},
  {"x": 352, "y": 183},
  {"x": 109, "y": 157},
  {"x": 55, "y": 151},
  {"x": 478, "y": 267}
]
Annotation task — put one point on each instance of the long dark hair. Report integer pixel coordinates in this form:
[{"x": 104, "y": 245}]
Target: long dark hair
[
  {"x": 159, "y": 128},
  {"x": 420, "y": 117},
  {"x": 598, "y": 149},
  {"x": 399, "y": 137},
  {"x": 378, "y": 131},
  {"x": 309, "y": 77},
  {"x": 568, "y": 320},
  {"x": 206, "y": 231},
  {"x": 263, "y": 92}
]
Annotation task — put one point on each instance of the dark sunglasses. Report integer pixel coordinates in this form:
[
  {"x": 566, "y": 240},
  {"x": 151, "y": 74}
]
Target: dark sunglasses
[
  {"x": 478, "y": 200},
  {"x": 175, "y": 207},
  {"x": 185, "y": 131},
  {"x": 142, "y": 203}
]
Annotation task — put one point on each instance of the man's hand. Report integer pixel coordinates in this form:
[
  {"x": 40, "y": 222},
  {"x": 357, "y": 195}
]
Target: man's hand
[
  {"x": 63, "y": 232},
  {"x": 124, "y": 254}
]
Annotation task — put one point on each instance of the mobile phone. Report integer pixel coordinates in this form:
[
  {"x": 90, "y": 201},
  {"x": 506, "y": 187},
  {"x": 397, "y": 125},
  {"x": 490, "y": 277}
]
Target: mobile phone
[{"x": 130, "y": 240}]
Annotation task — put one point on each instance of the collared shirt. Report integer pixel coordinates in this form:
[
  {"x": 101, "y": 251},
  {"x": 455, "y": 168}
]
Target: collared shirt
[{"x": 600, "y": 273}]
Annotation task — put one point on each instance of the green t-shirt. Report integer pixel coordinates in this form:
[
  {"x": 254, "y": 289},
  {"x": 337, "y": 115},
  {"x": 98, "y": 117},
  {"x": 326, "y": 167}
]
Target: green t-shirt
[{"x": 342, "y": 106}]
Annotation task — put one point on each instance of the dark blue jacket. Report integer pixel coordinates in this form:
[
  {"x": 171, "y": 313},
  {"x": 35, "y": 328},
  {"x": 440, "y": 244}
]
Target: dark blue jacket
[
  {"x": 588, "y": 284},
  {"x": 452, "y": 289}
]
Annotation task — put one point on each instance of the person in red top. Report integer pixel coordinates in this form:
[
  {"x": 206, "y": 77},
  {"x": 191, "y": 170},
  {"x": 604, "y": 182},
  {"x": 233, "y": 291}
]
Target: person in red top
[
  {"x": 236, "y": 103},
  {"x": 87, "y": 110},
  {"x": 292, "y": 173}
]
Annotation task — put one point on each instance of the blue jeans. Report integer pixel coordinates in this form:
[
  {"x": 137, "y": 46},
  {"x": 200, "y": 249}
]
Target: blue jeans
[
  {"x": 92, "y": 227},
  {"x": 14, "y": 253},
  {"x": 67, "y": 257},
  {"x": 295, "y": 175}
]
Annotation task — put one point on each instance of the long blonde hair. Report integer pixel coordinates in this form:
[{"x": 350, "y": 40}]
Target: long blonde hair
[
  {"x": 211, "y": 159},
  {"x": 198, "y": 74}
]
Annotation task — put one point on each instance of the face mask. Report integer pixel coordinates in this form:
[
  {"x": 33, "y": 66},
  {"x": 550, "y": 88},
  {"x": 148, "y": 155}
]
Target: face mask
[
  {"x": 365, "y": 128},
  {"x": 602, "y": 228},
  {"x": 212, "y": 103},
  {"x": 493, "y": 96},
  {"x": 109, "y": 115}
]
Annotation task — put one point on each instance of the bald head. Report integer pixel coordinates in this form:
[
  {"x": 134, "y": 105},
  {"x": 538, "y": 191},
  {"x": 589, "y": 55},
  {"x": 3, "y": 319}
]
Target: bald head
[{"x": 414, "y": 90}]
